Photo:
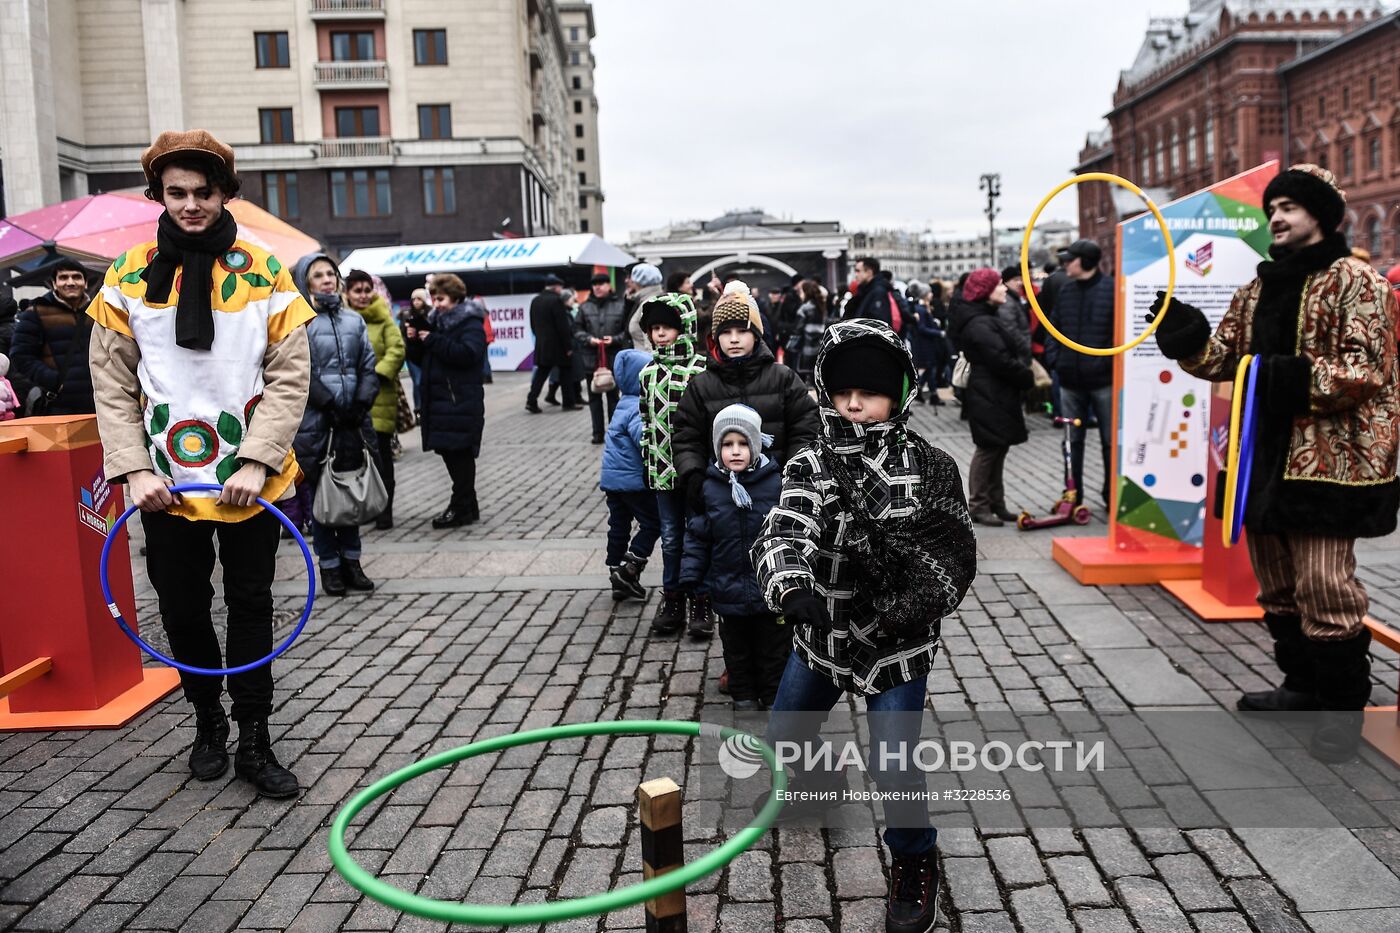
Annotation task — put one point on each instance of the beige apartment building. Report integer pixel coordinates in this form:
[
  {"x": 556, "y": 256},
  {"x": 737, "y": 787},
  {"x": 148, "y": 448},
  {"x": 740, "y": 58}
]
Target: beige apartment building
[
  {"x": 576, "y": 20},
  {"x": 362, "y": 122}
]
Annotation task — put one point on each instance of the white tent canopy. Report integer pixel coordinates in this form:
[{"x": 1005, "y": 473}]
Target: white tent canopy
[{"x": 580, "y": 249}]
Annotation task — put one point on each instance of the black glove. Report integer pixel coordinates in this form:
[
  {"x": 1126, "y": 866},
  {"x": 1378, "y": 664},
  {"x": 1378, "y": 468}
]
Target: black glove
[
  {"x": 1284, "y": 389},
  {"x": 1184, "y": 331},
  {"x": 801, "y": 605},
  {"x": 350, "y": 416},
  {"x": 695, "y": 493}
]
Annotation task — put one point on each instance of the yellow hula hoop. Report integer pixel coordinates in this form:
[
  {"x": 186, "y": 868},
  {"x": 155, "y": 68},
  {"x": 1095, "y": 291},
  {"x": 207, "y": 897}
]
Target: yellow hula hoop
[
  {"x": 1026, "y": 265},
  {"x": 1232, "y": 456}
]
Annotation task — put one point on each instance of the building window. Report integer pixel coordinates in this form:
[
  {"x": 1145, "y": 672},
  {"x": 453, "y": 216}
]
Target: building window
[
  {"x": 430, "y": 46},
  {"x": 578, "y": 131},
  {"x": 280, "y": 194},
  {"x": 1373, "y": 154},
  {"x": 1346, "y": 99},
  {"x": 573, "y": 33},
  {"x": 1371, "y": 86},
  {"x": 583, "y": 202},
  {"x": 357, "y": 121},
  {"x": 434, "y": 121},
  {"x": 1347, "y": 165},
  {"x": 1322, "y": 107},
  {"x": 275, "y": 125},
  {"x": 583, "y": 226},
  {"x": 1298, "y": 111},
  {"x": 362, "y": 192},
  {"x": 1160, "y": 162},
  {"x": 578, "y": 155},
  {"x": 578, "y": 106},
  {"x": 439, "y": 190},
  {"x": 1210, "y": 139},
  {"x": 1373, "y": 236},
  {"x": 1176, "y": 151},
  {"x": 1191, "y": 155},
  {"x": 573, "y": 58},
  {"x": 583, "y": 178},
  {"x": 272, "y": 50},
  {"x": 578, "y": 83},
  {"x": 352, "y": 47}
]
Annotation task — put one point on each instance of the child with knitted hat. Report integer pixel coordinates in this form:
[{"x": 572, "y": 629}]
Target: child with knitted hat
[
  {"x": 871, "y": 545},
  {"x": 739, "y": 367},
  {"x": 741, "y": 486}
]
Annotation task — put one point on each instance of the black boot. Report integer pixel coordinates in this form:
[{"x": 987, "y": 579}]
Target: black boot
[
  {"x": 549, "y": 396},
  {"x": 355, "y": 575},
  {"x": 209, "y": 755},
  {"x": 1005, "y": 514},
  {"x": 385, "y": 521},
  {"x": 1344, "y": 687},
  {"x": 333, "y": 581},
  {"x": 453, "y": 517},
  {"x": 669, "y": 614},
  {"x": 701, "y": 621},
  {"x": 626, "y": 578},
  {"x": 913, "y": 903},
  {"x": 255, "y": 763},
  {"x": 1295, "y": 658}
]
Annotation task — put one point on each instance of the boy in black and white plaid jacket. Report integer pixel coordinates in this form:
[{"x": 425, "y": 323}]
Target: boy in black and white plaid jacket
[{"x": 869, "y": 548}]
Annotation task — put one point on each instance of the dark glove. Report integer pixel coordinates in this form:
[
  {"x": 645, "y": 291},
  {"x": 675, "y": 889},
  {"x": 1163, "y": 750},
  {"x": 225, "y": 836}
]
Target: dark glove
[
  {"x": 695, "y": 493},
  {"x": 1284, "y": 389},
  {"x": 350, "y": 416},
  {"x": 1184, "y": 331},
  {"x": 801, "y": 605}
]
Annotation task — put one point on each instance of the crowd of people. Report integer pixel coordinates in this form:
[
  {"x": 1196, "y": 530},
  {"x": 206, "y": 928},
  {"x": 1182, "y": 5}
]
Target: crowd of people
[{"x": 762, "y": 438}]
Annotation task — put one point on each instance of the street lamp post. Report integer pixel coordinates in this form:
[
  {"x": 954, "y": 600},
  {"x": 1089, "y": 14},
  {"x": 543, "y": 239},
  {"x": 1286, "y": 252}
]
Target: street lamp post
[{"x": 991, "y": 183}]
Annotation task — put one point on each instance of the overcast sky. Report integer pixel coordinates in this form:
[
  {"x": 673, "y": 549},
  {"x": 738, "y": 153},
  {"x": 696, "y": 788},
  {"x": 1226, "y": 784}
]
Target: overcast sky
[{"x": 871, "y": 112}]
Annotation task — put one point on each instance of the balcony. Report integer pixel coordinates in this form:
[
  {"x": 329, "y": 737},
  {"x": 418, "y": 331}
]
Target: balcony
[
  {"x": 351, "y": 76},
  {"x": 347, "y": 9},
  {"x": 356, "y": 150}
]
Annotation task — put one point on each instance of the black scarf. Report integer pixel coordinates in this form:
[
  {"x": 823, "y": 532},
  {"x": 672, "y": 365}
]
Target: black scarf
[
  {"x": 195, "y": 253},
  {"x": 1281, "y": 284}
]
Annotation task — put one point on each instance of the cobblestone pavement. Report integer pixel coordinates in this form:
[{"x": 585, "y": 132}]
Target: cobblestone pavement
[{"x": 507, "y": 625}]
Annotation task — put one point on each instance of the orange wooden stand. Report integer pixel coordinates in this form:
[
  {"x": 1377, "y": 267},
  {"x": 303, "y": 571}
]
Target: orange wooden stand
[
  {"x": 57, "y": 508},
  {"x": 1383, "y": 732}
]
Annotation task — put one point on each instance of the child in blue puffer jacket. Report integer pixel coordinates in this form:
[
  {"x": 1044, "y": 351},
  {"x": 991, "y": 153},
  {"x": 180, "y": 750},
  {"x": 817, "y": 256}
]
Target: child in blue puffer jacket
[
  {"x": 624, "y": 481},
  {"x": 741, "y": 487}
]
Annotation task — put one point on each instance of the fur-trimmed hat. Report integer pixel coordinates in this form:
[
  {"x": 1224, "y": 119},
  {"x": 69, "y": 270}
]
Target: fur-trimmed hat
[
  {"x": 1315, "y": 188},
  {"x": 172, "y": 144},
  {"x": 735, "y": 304}
]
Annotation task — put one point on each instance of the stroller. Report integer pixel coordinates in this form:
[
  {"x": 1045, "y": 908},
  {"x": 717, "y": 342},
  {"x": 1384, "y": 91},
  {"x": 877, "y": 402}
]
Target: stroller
[{"x": 1065, "y": 510}]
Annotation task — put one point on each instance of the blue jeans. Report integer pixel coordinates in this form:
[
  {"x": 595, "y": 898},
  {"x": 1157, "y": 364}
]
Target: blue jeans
[
  {"x": 415, "y": 372},
  {"x": 1080, "y": 403},
  {"x": 623, "y": 509},
  {"x": 670, "y": 507},
  {"x": 334, "y": 544},
  {"x": 803, "y": 692}
]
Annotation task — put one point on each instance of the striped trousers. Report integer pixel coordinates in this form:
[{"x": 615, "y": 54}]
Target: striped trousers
[{"x": 1312, "y": 577}]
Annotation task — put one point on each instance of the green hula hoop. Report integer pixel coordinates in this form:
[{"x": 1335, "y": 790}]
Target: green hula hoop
[{"x": 554, "y": 911}]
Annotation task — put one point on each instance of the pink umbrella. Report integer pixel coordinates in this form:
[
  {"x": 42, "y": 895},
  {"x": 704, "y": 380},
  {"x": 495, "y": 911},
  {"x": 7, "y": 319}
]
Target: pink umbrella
[{"x": 102, "y": 226}]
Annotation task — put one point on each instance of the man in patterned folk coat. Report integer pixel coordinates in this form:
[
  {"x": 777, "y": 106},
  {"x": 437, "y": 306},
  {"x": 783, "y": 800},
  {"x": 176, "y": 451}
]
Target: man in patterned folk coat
[
  {"x": 201, "y": 370},
  {"x": 1323, "y": 327}
]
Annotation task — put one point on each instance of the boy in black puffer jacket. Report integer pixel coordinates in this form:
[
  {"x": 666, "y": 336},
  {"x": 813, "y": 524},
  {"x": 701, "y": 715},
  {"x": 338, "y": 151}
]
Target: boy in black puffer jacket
[
  {"x": 741, "y": 487},
  {"x": 739, "y": 368},
  {"x": 869, "y": 548}
]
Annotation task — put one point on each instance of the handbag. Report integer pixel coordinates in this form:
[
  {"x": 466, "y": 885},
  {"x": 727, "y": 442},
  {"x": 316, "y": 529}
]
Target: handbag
[
  {"x": 603, "y": 381},
  {"x": 351, "y": 498},
  {"x": 962, "y": 372},
  {"x": 403, "y": 414},
  {"x": 1042, "y": 377}
]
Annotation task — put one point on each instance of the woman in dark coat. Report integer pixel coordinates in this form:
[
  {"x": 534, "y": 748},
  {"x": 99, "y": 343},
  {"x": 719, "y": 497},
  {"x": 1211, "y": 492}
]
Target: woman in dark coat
[
  {"x": 808, "y": 327},
  {"x": 928, "y": 342},
  {"x": 992, "y": 400},
  {"x": 451, "y": 352}
]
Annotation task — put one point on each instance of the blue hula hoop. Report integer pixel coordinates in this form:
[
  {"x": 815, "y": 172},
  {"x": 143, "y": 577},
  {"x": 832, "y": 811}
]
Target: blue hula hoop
[
  {"x": 1246, "y": 464},
  {"x": 190, "y": 668}
]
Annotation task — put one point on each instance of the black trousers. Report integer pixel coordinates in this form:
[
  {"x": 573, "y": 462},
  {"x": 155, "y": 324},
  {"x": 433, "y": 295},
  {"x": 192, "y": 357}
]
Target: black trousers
[
  {"x": 386, "y": 466},
  {"x": 461, "y": 466},
  {"x": 180, "y": 562},
  {"x": 595, "y": 408},
  {"x": 537, "y": 381},
  {"x": 756, "y": 650}
]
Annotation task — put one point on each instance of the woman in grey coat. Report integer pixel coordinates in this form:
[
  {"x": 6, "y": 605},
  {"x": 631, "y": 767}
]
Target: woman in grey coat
[{"x": 343, "y": 389}]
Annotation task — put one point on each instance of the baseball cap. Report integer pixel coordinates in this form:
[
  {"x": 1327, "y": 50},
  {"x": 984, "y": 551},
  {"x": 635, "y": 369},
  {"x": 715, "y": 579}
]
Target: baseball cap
[{"x": 1086, "y": 250}]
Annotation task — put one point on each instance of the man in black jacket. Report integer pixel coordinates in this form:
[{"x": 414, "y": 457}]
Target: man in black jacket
[
  {"x": 554, "y": 345},
  {"x": 872, "y": 297},
  {"x": 1083, "y": 312},
  {"x": 601, "y": 322},
  {"x": 50, "y": 345}
]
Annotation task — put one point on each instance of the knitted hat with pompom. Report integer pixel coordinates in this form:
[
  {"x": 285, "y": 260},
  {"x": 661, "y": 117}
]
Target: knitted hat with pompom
[{"x": 736, "y": 304}]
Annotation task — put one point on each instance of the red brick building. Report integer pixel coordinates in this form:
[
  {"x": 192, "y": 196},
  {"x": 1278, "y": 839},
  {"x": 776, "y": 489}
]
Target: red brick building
[{"x": 1219, "y": 90}]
